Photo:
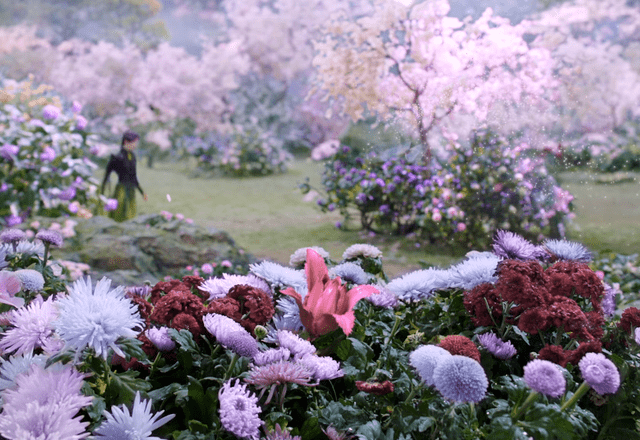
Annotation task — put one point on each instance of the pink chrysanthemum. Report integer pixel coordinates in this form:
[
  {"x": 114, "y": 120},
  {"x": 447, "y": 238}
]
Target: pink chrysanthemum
[{"x": 32, "y": 327}]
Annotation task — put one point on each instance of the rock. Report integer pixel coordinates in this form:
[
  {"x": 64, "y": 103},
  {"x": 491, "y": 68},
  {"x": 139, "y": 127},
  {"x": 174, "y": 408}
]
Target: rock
[{"x": 146, "y": 248}]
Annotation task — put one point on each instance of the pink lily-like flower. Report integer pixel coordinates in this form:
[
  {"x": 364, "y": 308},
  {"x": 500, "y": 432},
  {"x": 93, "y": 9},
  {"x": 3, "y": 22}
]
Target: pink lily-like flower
[
  {"x": 10, "y": 284},
  {"x": 328, "y": 305}
]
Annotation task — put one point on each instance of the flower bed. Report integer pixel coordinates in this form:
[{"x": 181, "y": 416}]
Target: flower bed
[{"x": 520, "y": 342}]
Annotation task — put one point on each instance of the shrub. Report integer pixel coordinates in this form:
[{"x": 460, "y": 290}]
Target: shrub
[
  {"x": 462, "y": 200},
  {"x": 44, "y": 163}
]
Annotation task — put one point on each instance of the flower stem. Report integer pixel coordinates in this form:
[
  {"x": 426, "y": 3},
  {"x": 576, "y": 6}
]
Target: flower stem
[
  {"x": 234, "y": 359},
  {"x": 582, "y": 389},
  {"x": 517, "y": 412},
  {"x": 393, "y": 331}
]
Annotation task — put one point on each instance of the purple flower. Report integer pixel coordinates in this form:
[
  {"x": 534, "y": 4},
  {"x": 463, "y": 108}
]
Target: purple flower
[
  {"x": 496, "y": 346},
  {"x": 380, "y": 182},
  {"x": 600, "y": 373},
  {"x": 350, "y": 272},
  {"x": 161, "y": 339},
  {"x": 239, "y": 410},
  {"x": 13, "y": 220},
  {"x": 567, "y": 250},
  {"x": 49, "y": 236},
  {"x": 12, "y": 235},
  {"x": 50, "y": 112},
  {"x": 279, "y": 434},
  {"x": 31, "y": 279},
  {"x": 8, "y": 151},
  {"x": 43, "y": 405},
  {"x": 609, "y": 300},
  {"x": 425, "y": 358},
  {"x": 138, "y": 423},
  {"x": 32, "y": 327},
  {"x": 460, "y": 378},
  {"x": 322, "y": 367},
  {"x": 111, "y": 205},
  {"x": 48, "y": 154},
  {"x": 271, "y": 356},
  {"x": 76, "y": 107},
  {"x": 268, "y": 377},
  {"x": 230, "y": 334},
  {"x": 384, "y": 298},
  {"x": 637, "y": 335},
  {"x": 81, "y": 122},
  {"x": 545, "y": 377},
  {"x": 67, "y": 193},
  {"x": 510, "y": 245},
  {"x": 295, "y": 344},
  {"x": 384, "y": 209},
  {"x": 361, "y": 197},
  {"x": 219, "y": 287},
  {"x": 478, "y": 268}
]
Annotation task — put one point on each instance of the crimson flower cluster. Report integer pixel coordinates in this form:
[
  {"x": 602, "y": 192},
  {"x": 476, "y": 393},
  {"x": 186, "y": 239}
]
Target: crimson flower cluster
[{"x": 567, "y": 296}]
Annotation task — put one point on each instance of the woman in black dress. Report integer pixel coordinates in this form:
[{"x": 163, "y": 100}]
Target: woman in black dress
[{"x": 124, "y": 165}]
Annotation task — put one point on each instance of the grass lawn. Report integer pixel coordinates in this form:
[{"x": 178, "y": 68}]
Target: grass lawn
[{"x": 267, "y": 217}]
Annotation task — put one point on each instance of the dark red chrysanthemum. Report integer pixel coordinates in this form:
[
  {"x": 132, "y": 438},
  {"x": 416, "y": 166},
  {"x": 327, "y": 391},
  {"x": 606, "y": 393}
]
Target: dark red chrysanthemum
[
  {"x": 256, "y": 305},
  {"x": 192, "y": 281},
  {"x": 162, "y": 288},
  {"x": 522, "y": 283},
  {"x": 531, "y": 270},
  {"x": 377, "y": 388},
  {"x": 556, "y": 354},
  {"x": 144, "y": 306},
  {"x": 533, "y": 320},
  {"x": 565, "y": 313},
  {"x": 583, "y": 281},
  {"x": 630, "y": 319},
  {"x": 226, "y": 306},
  {"x": 185, "y": 321},
  {"x": 174, "y": 303},
  {"x": 475, "y": 303},
  {"x": 461, "y": 345},
  {"x": 560, "y": 284}
]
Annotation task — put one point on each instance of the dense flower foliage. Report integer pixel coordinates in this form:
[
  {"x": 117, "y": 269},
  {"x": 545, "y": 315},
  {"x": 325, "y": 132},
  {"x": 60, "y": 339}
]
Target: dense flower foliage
[
  {"x": 441, "y": 205},
  {"x": 45, "y": 165}
]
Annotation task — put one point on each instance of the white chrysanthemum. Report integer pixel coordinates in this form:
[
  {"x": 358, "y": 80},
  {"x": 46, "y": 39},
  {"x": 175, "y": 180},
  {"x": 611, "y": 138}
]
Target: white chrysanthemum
[
  {"x": 477, "y": 269},
  {"x": 219, "y": 287},
  {"x": 351, "y": 272},
  {"x": 32, "y": 327},
  {"x": 120, "y": 424},
  {"x": 419, "y": 284},
  {"x": 32, "y": 280},
  {"x": 299, "y": 257},
  {"x": 28, "y": 248},
  {"x": 364, "y": 250},
  {"x": 96, "y": 318},
  {"x": 281, "y": 276}
]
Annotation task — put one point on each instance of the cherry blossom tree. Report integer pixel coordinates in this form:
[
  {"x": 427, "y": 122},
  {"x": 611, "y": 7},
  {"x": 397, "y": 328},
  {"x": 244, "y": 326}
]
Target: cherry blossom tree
[{"x": 416, "y": 64}]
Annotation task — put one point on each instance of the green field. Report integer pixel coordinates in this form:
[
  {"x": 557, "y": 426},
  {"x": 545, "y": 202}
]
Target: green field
[{"x": 267, "y": 216}]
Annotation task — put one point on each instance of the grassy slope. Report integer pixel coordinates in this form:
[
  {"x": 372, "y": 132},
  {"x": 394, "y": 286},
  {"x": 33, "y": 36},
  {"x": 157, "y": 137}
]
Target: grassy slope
[{"x": 268, "y": 218}]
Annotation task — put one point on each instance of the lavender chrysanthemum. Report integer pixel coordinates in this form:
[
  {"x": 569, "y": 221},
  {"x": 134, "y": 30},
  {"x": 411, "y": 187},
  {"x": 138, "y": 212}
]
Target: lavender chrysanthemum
[
  {"x": 27, "y": 247},
  {"x": 32, "y": 280},
  {"x": 478, "y": 268},
  {"x": 271, "y": 356},
  {"x": 230, "y": 334},
  {"x": 545, "y": 377},
  {"x": 50, "y": 111},
  {"x": 54, "y": 238},
  {"x": 637, "y": 335},
  {"x": 295, "y": 344},
  {"x": 12, "y": 235},
  {"x": 279, "y": 373},
  {"x": 281, "y": 276},
  {"x": 219, "y": 287},
  {"x": 11, "y": 368},
  {"x": 600, "y": 373},
  {"x": 137, "y": 424},
  {"x": 322, "y": 367},
  {"x": 111, "y": 205},
  {"x": 279, "y": 434},
  {"x": 96, "y": 318},
  {"x": 361, "y": 250},
  {"x": 568, "y": 250},
  {"x": 419, "y": 284},
  {"x": 460, "y": 378},
  {"x": 32, "y": 327},
  {"x": 384, "y": 298},
  {"x": 160, "y": 338},
  {"x": 239, "y": 410},
  {"x": 299, "y": 257},
  {"x": 510, "y": 245},
  {"x": 496, "y": 346},
  {"x": 351, "y": 272},
  {"x": 425, "y": 358},
  {"x": 43, "y": 405}
]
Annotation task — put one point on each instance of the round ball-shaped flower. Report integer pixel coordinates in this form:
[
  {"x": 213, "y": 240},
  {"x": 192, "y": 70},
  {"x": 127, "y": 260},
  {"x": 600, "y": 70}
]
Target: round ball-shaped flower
[
  {"x": 50, "y": 236},
  {"x": 160, "y": 338},
  {"x": 458, "y": 344},
  {"x": 600, "y": 373},
  {"x": 425, "y": 358},
  {"x": 12, "y": 235},
  {"x": 50, "y": 112},
  {"x": 32, "y": 280},
  {"x": 545, "y": 377},
  {"x": 239, "y": 410},
  {"x": 460, "y": 378}
]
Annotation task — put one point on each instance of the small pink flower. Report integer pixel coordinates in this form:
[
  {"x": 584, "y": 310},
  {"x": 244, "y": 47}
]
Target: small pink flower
[
  {"x": 226, "y": 263},
  {"x": 436, "y": 216},
  {"x": 207, "y": 268},
  {"x": 179, "y": 216},
  {"x": 461, "y": 227}
]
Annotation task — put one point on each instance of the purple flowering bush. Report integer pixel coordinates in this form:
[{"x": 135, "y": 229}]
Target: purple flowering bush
[
  {"x": 462, "y": 200},
  {"x": 234, "y": 356},
  {"x": 45, "y": 167},
  {"x": 247, "y": 151}
]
